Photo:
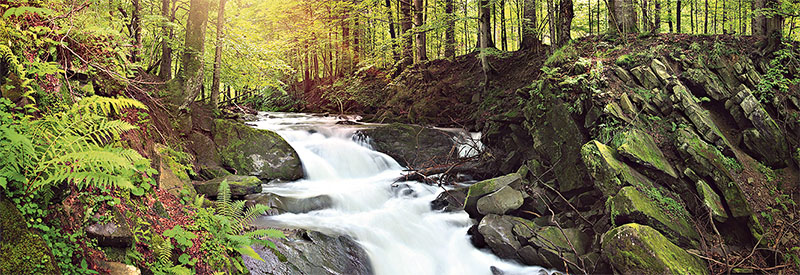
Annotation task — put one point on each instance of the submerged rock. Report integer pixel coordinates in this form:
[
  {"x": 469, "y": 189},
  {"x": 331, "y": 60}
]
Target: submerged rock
[
  {"x": 309, "y": 252},
  {"x": 240, "y": 186},
  {"x": 288, "y": 204},
  {"x": 450, "y": 200},
  {"x": 255, "y": 152},
  {"x": 640, "y": 249}
]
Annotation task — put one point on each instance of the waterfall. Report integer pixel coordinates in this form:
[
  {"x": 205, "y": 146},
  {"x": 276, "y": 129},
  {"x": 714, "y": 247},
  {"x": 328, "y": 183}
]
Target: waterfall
[{"x": 393, "y": 222}]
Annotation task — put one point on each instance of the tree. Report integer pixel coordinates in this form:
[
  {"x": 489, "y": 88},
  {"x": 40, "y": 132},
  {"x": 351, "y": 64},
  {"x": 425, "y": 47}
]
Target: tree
[
  {"x": 191, "y": 73},
  {"x": 422, "y": 50},
  {"x": 405, "y": 26},
  {"x": 678, "y": 16},
  {"x": 450, "y": 32},
  {"x": 622, "y": 16},
  {"x": 485, "y": 19},
  {"x": 218, "y": 53},
  {"x": 165, "y": 71},
  {"x": 566, "y": 14},
  {"x": 530, "y": 35},
  {"x": 392, "y": 32},
  {"x": 767, "y": 20},
  {"x": 657, "y": 24},
  {"x": 503, "y": 38},
  {"x": 484, "y": 39}
]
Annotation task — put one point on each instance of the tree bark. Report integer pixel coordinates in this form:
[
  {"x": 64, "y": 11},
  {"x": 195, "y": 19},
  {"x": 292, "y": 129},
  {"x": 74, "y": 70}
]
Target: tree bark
[
  {"x": 422, "y": 50},
  {"x": 657, "y": 24},
  {"x": 566, "y": 13},
  {"x": 486, "y": 19},
  {"x": 191, "y": 75},
  {"x": 530, "y": 36},
  {"x": 392, "y": 32},
  {"x": 450, "y": 32},
  {"x": 669, "y": 16},
  {"x": 705, "y": 21},
  {"x": 405, "y": 26},
  {"x": 503, "y": 38},
  {"x": 484, "y": 38},
  {"x": 165, "y": 71},
  {"x": 678, "y": 17},
  {"x": 136, "y": 30},
  {"x": 622, "y": 16},
  {"x": 218, "y": 54}
]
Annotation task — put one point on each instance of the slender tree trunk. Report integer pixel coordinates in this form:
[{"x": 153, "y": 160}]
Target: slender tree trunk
[
  {"x": 530, "y": 36},
  {"x": 657, "y": 24},
  {"x": 669, "y": 16},
  {"x": 724, "y": 18},
  {"x": 192, "y": 69},
  {"x": 136, "y": 30},
  {"x": 590, "y": 16},
  {"x": 486, "y": 19},
  {"x": 678, "y": 17},
  {"x": 218, "y": 54},
  {"x": 691, "y": 16},
  {"x": 466, "y": 29},
  {"x": 645, "y": 18},
  {"x": 715, "y": 17},
  {"x": 450, "y": 32},
  {"x": 503, "y": 38},
  {"x": 566, "y": 13},
  {"x": 552, "y": 23},
  {"x": 484, "y": 38},
  {"x": 405, "y": 26},
  {"x": 358, "y": 40},
  {"x": 345, "y": 56},
  {"x": 422, "y": 53},
  {"x": 165, "y": 72},
  {"x": 392, "y": 32},
  {"x": 705, "y": 21}
]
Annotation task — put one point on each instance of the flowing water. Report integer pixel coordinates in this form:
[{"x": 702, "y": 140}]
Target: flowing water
[{"x": 392, "y": 222}]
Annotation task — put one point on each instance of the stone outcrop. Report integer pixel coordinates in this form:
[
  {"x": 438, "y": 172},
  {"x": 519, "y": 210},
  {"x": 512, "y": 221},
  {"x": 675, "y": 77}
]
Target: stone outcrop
[
  {"x": 640, "y": 249},
  {"x": 240, "y": 186},
  {"x": 411, "y": 145},
  {"x": 309, "y": 252},
  {"x": 254, "y": 152}
]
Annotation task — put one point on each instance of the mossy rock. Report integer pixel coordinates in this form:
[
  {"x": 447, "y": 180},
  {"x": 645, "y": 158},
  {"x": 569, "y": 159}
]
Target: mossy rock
[
  {"x": 667, "y": 215},
  {"x": 21, "y": 250},
  {"x": 557, "y": 139},
  {"x": 712, "y": 201},
  {"x": 610, "y": 174},
  {"x": 255, "y": 152},
  {"x": 501, "y": 202},
  {"x": 482, "y": 188},
  {"x": 640, "y": 249},
  {"x": 240, "y": 186},
  {"x": 640, "y": 147}
]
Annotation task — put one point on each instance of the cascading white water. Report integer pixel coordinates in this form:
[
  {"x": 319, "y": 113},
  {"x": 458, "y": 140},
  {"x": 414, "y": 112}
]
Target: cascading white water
[{"x": 393, "y": 222}]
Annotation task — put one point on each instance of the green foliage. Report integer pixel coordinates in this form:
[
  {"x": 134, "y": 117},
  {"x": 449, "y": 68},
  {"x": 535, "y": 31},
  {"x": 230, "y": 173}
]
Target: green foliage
[
  {"x": 731, "y": 163},
  {"x": 768, "y": 173},
  {"x": 778, "y": 79},
  {"x": 562, "y": 56}
]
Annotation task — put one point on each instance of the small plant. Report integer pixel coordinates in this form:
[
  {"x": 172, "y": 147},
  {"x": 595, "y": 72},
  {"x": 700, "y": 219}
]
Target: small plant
[
  {"x": 562, "y": 55},
  {"x": 732, "y": 164}
]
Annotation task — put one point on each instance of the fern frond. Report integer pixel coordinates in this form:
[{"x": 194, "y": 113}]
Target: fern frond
[
  {"x": 106, "y": 105},
  {"x": 252, "y": 213},
  {"x": 224, "y": 203}
]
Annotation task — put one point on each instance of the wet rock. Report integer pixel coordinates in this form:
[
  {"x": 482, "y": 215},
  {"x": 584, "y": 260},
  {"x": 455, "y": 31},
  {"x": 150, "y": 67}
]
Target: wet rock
[
  {"x": 114, "y": 233},
  {"x": 660, "y": 211},
  {"x": 712, "y": 201},
  {"x": 640, "y": 249},
  {"x": 284, "y": 204},
  {"x": 450, "y": 200},
  {"x": 240, "y": 186},
  {"x": 309, "y": 252},
  {"x": 501, "y": 202},
  {"x": 116, "y": 268},
  {"x": 255, "y": 152},
  {"x": 482, "y": 188},
  {"x": 410, "y": 145},
  {"x": 497, "y": 232},
  {"x": 640, "y": 147}
]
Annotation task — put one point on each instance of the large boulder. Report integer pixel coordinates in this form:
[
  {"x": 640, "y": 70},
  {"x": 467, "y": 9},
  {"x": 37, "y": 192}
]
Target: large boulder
[
  {"x": 255, "y": 152},
  {"x": 763, "y": 137},
  {"x": 171, "y": 174},
  {"x": 309, "y": 252},
  {"x": 483, "y": 188},
  {"x": 557, "y": 140},
  {"x": 285, "y": 204},
  {"x": 498, "y": 233},
  {"x": 21, "y": 250},
  {"x": 640, "y": 148},
  {"x": 501, "y": 202},
  {"x": 609, "y": 172},
  {"x": 639, "y": 249},
  {"x": 240, "y": 186},
  {"x": 657, "y": 210},
  {"x": 411, "y": 145}
]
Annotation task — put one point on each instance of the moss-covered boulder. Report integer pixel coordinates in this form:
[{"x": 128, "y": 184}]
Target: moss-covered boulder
[
  {"x": 700, "y": 118},
  {"x": 411, "y": 145},
  {"x": 610, "y": 174},
  {"x": 485, "y": 187},
  {"x": 712, "y": 201},
  {"x": 639, "y": 249},
  {"x": 255, "y": 152},
  {"x": 557, "y": 140},
  {"x": 284, "y": 204},
  {"x": 708, "y": 81},
  {"x": 646, "y": 77},
  {"x": 655, "y": 209},
  {"x": 172, "y": 175},
  {"x": 240, "y": 186},
  {"x": 501, "y": 202},
  {"x": 21, "y": 250},
  {"x": 705, "y": 160},
  {"x": 763, "y": 137},
  {"x": 640, "y": 147},
  {"x": 498, "y": 232}
]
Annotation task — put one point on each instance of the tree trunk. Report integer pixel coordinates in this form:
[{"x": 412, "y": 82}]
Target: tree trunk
[
  {"x": 165, "y": 72},
  {"x": 486, "y": 19},
  {"x": 191, "y": 75},
  {"x": 484, "y": 39},
  {"x": 405, "y": 26},
  {"x": 566, "y": 13},
  {"x": 392, "y": 32},
  {"x": 645, "y": 18},
  {"x": 345, "y": 56},
  {"x": 552, "y": 23},
  {"x": 530, "y": 36},
  {"x": 422, "y": 52},
  {"x": 678, "y": 17},
  {"x": 503, "y": 38},
  {"x": 450, "y": 32},
  {"x": 657, "y": 24},
  {"x": 691, "y": 17},
  {"x": 136, "y": 30},
  {"x": 771, "y": 26},
  {"x": 669, "y": 16},
  {"x": 622, "y": 16},
  {"x": 218, "y": 54},
  {"x": 705, "y": 21}
]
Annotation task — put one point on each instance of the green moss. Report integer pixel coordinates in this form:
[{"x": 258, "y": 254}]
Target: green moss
[
  {"x": 641, "y": 147},
  {"x": 21, "y": 251},
  {"x": 638, "y": 249},
  {"x": 661, "y": 212}
]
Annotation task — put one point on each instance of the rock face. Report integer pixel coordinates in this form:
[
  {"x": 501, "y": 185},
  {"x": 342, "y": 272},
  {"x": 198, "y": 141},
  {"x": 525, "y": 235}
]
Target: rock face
[
  {"x": 240, "y": 186},
  {"x": 115, "y": 233},
  {"x": 255, "y": 152},
  {"x": 662, "y": 212},
  {"x": 762, "y": 136},
  {"x": 498, "y": 232},
  {"x": 712, "y": 201},
  {"x": 640, "y": 148},
  {"x": 411, "y": 145},
  {"x": 501, "y": 202},
  {"x": 640, "y": 249},
  {"x": 450, "y": 200},
  {"x": 609, "y": 172},
  {"x": 309, "y": 252},
  {"x": 21, "y": 250}
]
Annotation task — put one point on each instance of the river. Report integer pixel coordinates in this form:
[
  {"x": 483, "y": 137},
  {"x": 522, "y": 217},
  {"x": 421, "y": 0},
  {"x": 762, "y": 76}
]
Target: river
[{"x": 392, "y": 221}]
